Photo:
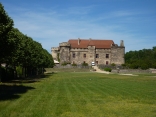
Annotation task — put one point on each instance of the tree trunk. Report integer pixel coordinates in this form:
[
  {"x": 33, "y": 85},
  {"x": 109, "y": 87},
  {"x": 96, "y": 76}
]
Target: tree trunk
[
  {"x": 23, "y": 74},
  {"x": 6, "y": 73}
]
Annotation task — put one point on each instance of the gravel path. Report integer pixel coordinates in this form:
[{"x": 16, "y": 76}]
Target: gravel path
[{"x": 99, "y": 70}]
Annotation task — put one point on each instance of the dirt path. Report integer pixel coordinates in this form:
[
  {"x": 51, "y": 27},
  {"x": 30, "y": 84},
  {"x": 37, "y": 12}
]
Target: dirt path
[{"x": 99, "y": 70}]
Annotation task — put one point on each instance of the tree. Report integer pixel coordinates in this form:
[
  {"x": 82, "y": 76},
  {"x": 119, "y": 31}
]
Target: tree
[
  {"x": 143, "y": 59},
  {"x": 20, "y": 51},
  {"x": 6, "y": 25}
]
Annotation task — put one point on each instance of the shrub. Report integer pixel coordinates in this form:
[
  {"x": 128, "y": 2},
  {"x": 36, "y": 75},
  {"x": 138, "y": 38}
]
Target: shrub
[
  {"x": 108, "y": 69},
  {"x": 74, "y": 64},
  {"x": 144, "y": 66},
  {"x": 65, "y": 63},
  {"x": 84, "y": 64},
  {"x": 113, "y": 64},
  {"x": 123, "y": 65}
]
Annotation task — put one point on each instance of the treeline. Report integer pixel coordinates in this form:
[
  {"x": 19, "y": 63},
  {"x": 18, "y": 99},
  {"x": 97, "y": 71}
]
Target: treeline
[
  {"x": 20, "y": 55},
  {"x": 142, "y": 59}
]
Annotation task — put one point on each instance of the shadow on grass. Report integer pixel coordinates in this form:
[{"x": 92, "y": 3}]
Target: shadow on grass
[
  {"x": 31, "y": 79},
  {"x": 12, "y": 89},
  {"x": 10, "y": 92}
]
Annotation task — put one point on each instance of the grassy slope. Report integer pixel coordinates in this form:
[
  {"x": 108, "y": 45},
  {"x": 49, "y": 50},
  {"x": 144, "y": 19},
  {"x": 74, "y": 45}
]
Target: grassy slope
[{"x": 66, "y": 94}]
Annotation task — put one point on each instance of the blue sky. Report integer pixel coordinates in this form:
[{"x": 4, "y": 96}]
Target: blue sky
[{"x": 51, "y": 22}]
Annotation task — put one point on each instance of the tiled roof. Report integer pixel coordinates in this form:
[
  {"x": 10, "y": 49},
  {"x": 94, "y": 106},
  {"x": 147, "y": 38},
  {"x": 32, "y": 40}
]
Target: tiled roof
[{"x": 104, "y": 44}]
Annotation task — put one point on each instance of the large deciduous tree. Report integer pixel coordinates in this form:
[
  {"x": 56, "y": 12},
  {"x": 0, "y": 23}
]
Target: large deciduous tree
[
  {"x": 6, "y": 25},
  {"x": 20, "y": 51}
]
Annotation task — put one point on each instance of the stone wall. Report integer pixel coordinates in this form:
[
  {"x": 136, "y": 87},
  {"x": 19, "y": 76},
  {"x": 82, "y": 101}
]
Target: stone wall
[
  {"x": 102, "y": 56},
  {"x": 91, "y": 54},
  {"x": 131, "y": 71},
  {"x": 64, "y": 52},
  {"x": 79, "y": 56},
  {"x": 70, "y": 66},
  {"x": 153, "y": 70},
  {"x": 117, "y": 55},
  {"x": 54, "y": 52}
]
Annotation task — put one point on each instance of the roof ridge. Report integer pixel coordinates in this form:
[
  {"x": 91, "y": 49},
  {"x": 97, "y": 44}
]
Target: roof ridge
[{"x": 85, "y": 43}]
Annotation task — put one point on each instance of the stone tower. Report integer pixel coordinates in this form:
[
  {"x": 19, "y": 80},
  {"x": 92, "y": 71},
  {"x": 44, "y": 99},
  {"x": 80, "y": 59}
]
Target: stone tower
[
  {"x": 117, "y": 53},
  {"x": 64, "y": 52},
  {"x": 55, "y": 53}
]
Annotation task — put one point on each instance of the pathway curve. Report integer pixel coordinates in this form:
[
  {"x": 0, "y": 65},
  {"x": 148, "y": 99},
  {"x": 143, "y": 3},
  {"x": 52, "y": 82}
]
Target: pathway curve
[{"x": 99, "y": 70}]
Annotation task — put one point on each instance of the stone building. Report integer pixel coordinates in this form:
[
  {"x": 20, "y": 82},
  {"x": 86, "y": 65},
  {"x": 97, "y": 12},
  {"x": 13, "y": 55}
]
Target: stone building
[{"x": 79, "y": 51}]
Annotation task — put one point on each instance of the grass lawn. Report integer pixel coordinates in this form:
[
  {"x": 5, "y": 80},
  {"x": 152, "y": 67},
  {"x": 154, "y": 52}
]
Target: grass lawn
[{"x": 78, "y": 94}]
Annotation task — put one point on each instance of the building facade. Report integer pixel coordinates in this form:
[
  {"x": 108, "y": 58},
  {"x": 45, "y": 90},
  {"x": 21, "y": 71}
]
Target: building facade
[{"x": 80, "y": 51}]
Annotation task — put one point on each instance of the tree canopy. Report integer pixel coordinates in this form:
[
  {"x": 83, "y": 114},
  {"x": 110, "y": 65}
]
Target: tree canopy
[
  {"x": 18, "y": 49},
  {"x": 6, "y": 25},
  {"x": 143, "y": 59}
]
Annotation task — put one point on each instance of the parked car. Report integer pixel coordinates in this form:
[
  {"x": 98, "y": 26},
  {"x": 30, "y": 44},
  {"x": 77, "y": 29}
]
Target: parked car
[{"x": 93, "y": 63}]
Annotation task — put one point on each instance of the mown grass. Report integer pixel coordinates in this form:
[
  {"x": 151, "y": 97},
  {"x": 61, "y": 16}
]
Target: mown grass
[
  {"x": 77, "y": 94},
  {"x": 50, "y": 70}
]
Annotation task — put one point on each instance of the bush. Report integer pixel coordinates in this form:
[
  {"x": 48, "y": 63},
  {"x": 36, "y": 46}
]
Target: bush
[
  {"x": 108, "y": 69},
  {"x": 65, "y": 63},
  {"x": 123, "y": 65},
  {"x": 84, "y": 64},
  {"x": 113, "y": 64},
  {"x": 144, "y": 66},
  {"x": 74, "y": 64}
]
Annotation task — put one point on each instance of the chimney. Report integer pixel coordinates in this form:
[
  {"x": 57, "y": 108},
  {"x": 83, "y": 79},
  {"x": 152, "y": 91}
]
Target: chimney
[
  {"x": 90, "y": 39},
  {"x": 78, "y": 41},
  {"x": 122, "y": 43}
]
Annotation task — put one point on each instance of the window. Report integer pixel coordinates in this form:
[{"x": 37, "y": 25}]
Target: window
[
  {"x": 97, "y": 56},
  {"x": 107, "y": 62},
  {"x": 84, "y": 55},
  {"x": 73, "y": 55},
  {"x": 107, "y": 55}
]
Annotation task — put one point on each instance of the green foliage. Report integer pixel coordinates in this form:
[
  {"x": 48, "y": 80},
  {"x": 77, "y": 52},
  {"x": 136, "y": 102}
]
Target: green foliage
[
  {"x": 123, "y": 65},
  {"x": 19, "y": 71},
  {"x": 108, "y": 69},
  {"x": 113, "y": 64},
  {"x": 144, "y": 66},
  {"x": 17, "y": 49},
  {"x": 143, "y": 59},
  {"x": 74, "y": 64},
  {"x": 6, "y": 25},
  {"x": 65, "y": 63},
  {"x": 84, "y": 64}
]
